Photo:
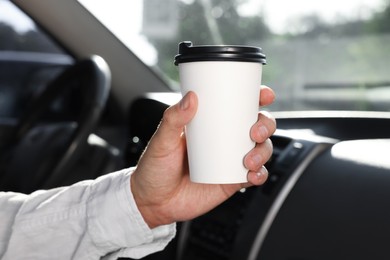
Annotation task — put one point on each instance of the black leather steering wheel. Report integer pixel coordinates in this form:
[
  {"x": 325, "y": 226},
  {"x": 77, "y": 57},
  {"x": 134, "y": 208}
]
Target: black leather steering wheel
[{"x": 41, "y": 155}]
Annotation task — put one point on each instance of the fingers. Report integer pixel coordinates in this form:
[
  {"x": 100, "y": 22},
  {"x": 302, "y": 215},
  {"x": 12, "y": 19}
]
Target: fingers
[
  {"x": 175, "y": 118},
  {"x": 267, "y": 96},
  {"x": 258, "y": 177},
  {"x": 263, "y": 128},
  {"x": 254, "y": 161},
  {"x": 258, "y": 156},
  {"x": 260, "y": 132}
]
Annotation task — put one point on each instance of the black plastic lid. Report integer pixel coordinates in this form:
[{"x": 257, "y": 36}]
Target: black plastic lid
[{"x": 190, "y": 53}]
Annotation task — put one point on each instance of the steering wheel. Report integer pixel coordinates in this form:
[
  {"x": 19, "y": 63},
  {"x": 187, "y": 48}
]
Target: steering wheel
[{"x": 41, "y": 155}]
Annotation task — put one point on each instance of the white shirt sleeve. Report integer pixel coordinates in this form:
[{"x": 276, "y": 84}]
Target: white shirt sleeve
[{"x": 95, "y": 219}]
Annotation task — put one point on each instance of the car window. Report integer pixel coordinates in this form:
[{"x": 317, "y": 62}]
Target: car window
[
  {"x": 20, "y": 33},
  {"x": 29, "y": 59},
  {"x": 322, "y": 55}
]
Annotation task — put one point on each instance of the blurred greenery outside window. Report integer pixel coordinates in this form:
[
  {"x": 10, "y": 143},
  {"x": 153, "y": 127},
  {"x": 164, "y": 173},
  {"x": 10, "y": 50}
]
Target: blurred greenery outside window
[{"x": 322, "y": 59}]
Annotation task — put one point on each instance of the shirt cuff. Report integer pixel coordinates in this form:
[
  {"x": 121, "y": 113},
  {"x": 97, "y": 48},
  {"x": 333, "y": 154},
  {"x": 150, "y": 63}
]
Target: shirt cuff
[{"x": 115, "y": 223}]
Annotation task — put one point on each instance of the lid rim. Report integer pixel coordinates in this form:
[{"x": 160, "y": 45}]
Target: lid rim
[
  {"x": 194, "y": 59},
  {"x": 190, "y": 53}
]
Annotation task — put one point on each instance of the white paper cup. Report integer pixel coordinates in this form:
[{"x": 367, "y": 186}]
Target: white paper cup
[{"x": 226, "y": 80}]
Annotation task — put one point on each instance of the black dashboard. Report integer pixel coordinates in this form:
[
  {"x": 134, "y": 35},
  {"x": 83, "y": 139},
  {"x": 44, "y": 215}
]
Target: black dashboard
[{"x": 326, "y": 196}]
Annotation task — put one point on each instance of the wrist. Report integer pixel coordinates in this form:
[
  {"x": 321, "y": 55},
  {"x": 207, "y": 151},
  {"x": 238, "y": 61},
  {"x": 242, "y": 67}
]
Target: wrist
[{"x": 149, "y": 211}]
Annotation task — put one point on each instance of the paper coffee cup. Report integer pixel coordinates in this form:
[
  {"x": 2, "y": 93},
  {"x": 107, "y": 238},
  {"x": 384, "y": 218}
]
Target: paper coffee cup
[{"x": 226, "y": 80}]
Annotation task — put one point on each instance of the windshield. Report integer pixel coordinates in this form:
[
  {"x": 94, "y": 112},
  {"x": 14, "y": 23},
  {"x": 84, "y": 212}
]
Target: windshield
[{"x": 321, "y": 55}]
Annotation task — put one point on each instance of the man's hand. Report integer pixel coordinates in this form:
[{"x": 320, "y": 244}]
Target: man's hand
[{"x": 161, "y": 185}]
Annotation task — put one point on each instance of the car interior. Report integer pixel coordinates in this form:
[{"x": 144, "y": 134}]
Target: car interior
[{"x": 78, "y": 102}]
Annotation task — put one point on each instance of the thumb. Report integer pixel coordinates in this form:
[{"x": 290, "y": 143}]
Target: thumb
[{"x": 174, "y": 120}]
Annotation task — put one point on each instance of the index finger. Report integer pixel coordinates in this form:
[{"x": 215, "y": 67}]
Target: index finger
[{"x": 267, "y": 96}]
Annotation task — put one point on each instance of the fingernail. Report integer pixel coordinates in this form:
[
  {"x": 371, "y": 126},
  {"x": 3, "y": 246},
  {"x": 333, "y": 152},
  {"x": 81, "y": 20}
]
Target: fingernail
[
  {"x": 263, "y": 131},
  {"x": 256, "y": 158},
  {"x": 184, "y": 102},
  {"x": 262, "y": 172}
]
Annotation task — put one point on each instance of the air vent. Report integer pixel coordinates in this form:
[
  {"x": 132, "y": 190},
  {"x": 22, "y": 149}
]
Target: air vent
[{"x": 279, "y": 145}]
